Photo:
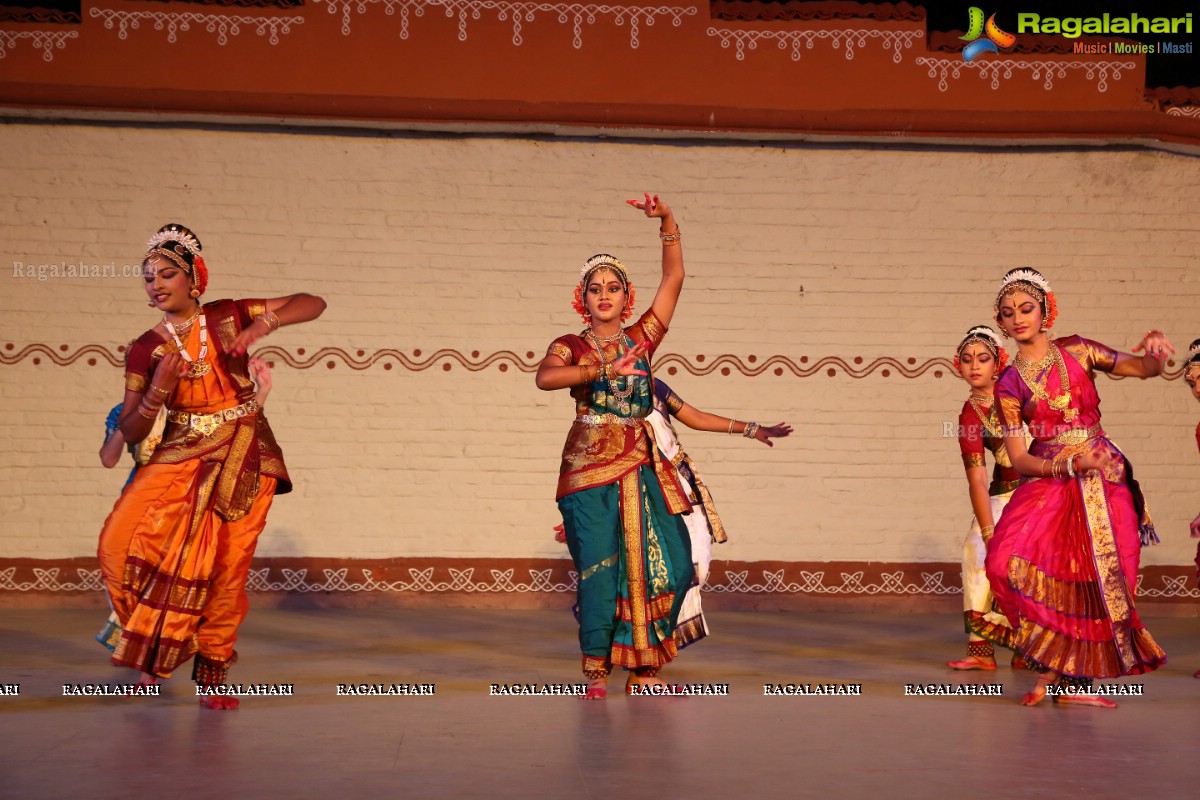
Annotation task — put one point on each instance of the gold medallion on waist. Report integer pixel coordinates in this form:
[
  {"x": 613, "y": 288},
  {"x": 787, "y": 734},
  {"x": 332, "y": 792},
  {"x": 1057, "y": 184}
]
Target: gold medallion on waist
[{"x": 204, "y": 424}]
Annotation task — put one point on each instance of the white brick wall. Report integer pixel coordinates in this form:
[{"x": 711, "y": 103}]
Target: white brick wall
[{"x": 429, "y": 242}]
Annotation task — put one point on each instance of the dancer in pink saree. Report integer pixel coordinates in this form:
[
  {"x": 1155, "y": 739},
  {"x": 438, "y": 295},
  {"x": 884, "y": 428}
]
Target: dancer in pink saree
[{"x": 1063, "y": 563}]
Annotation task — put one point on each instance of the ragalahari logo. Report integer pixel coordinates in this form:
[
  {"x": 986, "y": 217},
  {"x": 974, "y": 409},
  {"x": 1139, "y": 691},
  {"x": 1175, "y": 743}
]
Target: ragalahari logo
[{"x": 993, "y": 39}]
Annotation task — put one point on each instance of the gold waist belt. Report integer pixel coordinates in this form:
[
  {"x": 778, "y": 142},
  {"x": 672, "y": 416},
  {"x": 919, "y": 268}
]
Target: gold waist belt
[
  {"x": 1076, "y": 436},
  {"x": 608, "y": 419},
  {"x": 205, "y": 424}
]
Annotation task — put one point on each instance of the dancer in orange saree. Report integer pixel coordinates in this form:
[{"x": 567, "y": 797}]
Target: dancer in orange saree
[
  {"x": 175, "y": 551},
  {"x": 1063, "y": 563},
  {"x": 619, "y": 497}
]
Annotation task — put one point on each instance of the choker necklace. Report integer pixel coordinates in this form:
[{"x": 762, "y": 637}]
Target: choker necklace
[
  {"x": 606, "y": 339},
  {"x": 197, "y": 368},
  {"x": 982, "y": 398},
  {"x": 186, "y": 325}
]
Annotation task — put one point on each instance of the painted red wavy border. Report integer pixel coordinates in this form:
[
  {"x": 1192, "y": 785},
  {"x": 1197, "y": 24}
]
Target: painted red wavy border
[{"x": 750, "y": 366}]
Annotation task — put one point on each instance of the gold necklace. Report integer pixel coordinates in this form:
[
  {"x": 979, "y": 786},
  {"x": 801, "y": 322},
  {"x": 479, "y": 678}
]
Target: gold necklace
[
  {"x": 1029, "y": 371},
  {"x": 985, "y": 416},
  {"x": 606, "y": 339},
  {"x": 621, "y": 394},
  {"x": 186, "y": 325}
]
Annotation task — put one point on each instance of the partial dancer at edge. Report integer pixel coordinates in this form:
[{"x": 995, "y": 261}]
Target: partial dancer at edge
[
  {"x": 1063, "y": 563},
  {"x": 175, "y": 551},
  {"x": 619, "y": 498},
  {"x": 980, "y": 359},
  {"x": 1191, "y": 374}
]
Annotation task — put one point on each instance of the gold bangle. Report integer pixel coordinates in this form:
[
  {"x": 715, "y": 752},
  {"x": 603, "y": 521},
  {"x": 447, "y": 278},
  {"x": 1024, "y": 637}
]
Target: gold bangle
[
  {"x": 271, "y": 319},
  {"x": 732, "y": 422},
  {"x": 148, "y": 413},
  {"x": 158, "y": 391},
  {"x": 670, "y": 238}
]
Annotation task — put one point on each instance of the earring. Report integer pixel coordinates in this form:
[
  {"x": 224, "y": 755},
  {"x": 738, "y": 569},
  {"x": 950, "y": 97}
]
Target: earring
[{"x": 194, "y": 293}]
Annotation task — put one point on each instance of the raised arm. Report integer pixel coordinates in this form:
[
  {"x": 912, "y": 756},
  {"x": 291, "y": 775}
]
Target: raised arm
[
  {"x": 291, "y": 310},
  {"x": 667, "y": 296}
]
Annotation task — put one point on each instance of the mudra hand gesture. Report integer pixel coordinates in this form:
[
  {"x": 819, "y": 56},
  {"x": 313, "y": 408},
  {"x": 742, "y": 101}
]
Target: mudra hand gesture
[
  {"x": 652, "y": 206},
  {"x": 1098, "y": 457},
  {"x": 765, "y": 434},
  {"x": 249, "y": 335},
  {"x": 168, "y": 372},
  {"x": 1155, "y": 343},
  {"x": 626, "y": 365}
]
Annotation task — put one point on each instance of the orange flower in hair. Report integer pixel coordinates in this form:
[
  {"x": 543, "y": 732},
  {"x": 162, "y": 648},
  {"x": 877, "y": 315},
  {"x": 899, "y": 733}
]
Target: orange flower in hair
[
  {"x": 577, "y": 304},
  {"x": 201, "y": 270},
  {"x": 1051, "y": 311}
]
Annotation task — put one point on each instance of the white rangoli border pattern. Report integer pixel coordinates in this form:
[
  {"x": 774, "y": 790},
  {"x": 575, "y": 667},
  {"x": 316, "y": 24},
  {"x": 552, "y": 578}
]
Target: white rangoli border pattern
[
  {"x": 176, "y": 22},
  {"x": 541, "y": 580},
  {"x": 743, "y": 40},
  {"x": 997, "y": 70},
  {"x": 48, "y": 41},
  {"x": 519, "y": 13}
]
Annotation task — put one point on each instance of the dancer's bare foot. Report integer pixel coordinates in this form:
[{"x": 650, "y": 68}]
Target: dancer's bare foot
[
  {"x": 597, "y": 689},
  {"x": 648, "y": 685},
  {"x": 1196, "y": 674},
  {"x": 973, "y": 662},
  {"x": 219, "y": 702},
  {"x": 147, "y": 679},
  {"x": 1039, "y": 690},
  {"x": 1018, "y": 662},
  {"x": 1084, "y": 700}
]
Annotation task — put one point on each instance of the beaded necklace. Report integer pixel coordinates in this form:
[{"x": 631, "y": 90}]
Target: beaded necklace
[{"x": 197, "y": 368}]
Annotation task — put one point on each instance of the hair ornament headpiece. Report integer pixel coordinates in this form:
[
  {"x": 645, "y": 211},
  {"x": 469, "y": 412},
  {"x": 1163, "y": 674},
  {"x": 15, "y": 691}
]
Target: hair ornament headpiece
[
  {"x": 603, "y": 261},
  {"x": 592, "y": 265},
  {"x": 174, "y": 233},
  {"x": 984, "y": 335},
  {"x": 1032, "y": 282},
  {"x": 1193, "y": 356},
  {"x": 1031, "y": 277},
  {"x": 177, "y": 244}
]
